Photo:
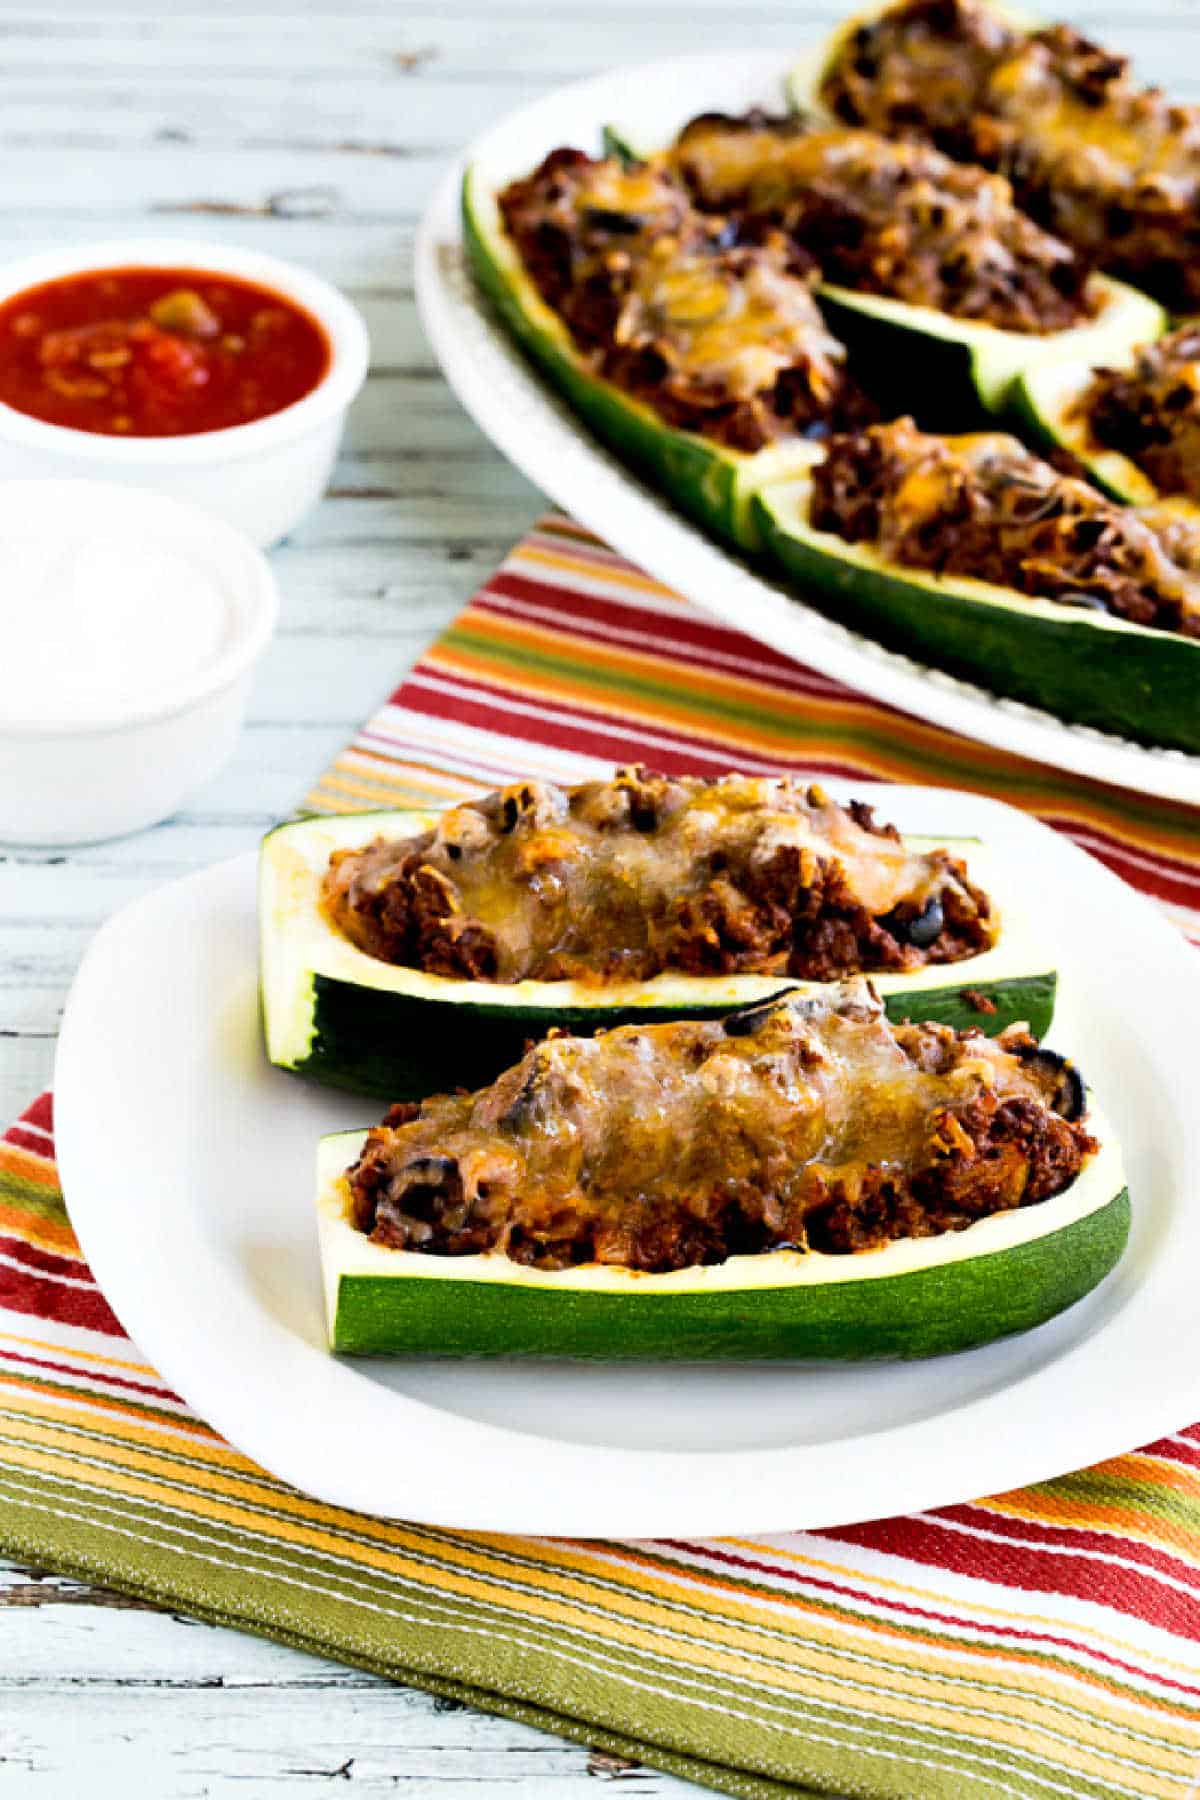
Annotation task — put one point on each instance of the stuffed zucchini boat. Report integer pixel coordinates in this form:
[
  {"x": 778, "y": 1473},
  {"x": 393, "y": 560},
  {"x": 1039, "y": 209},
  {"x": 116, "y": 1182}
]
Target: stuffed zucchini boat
[
  {"x": 941, "y": 288},
  {"x": 402, "y": 952},
  {"x": 802, "y": 1179},
  {"x": 1105, "y": 163},
  {"x": 1134, "y": 428},
  {"x": 976, "y": 557},
  {"x": 706, "y": 366}
]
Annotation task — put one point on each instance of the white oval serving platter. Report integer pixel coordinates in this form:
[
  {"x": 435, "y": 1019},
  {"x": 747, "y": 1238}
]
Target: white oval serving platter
[{"x": 541, "y": 436}]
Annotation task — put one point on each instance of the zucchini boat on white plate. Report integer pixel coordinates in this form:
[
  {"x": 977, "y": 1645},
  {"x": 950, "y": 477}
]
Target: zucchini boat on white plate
[
  {"x": 337, "y": 1012},
  {"x": 1064, "y": 646},
  {"x": 799, "y": 1181}
]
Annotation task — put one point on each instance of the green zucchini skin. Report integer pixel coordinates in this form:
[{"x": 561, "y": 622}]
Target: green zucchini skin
[
  {"x": 403, "y": 1046},
  {"x": 712, "y": 484},
  {"x": 928, "y": 1312},
  {"x": 914, "y": 1297},
  {"x": 935, "y": 379},
  {"x": 954, "y": 374},
  {"x": 1139, "y": 684}
]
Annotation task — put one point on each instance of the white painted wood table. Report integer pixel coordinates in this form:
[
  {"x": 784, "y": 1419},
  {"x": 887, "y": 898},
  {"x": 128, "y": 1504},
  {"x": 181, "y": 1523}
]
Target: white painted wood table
[{"x": 316, "y": 133}]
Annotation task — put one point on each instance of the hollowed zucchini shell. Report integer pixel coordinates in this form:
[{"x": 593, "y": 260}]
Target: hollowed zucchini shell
[
  {"x": 336, "y": 1015},
  {"x": 1088, "y": 668},
  {"x": 916, "y": 1297},
  {"x": 1045, "y": 406},
  {"x": 954, "y": 373}
]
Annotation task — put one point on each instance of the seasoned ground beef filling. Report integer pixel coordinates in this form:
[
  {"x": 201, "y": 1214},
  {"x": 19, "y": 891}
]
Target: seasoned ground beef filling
[
  {"x": 1109, "y": 165},
  {"x": 720, "y": 338},
  {"x": 1151, "y": 412},
  {"x": 984, "y": 506},
  {"x": 898, "y": 219},
  {"x": 620, "y": 880},
  {"x": 811, "y": 1124}
]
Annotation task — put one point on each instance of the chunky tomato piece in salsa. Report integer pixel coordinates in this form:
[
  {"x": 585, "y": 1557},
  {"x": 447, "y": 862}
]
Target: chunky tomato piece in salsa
[{"x": 156, "y": 352}]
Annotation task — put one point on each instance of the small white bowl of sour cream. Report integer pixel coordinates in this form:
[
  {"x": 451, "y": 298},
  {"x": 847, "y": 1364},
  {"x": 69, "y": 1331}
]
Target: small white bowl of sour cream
[
  {"x": 261, "y": 476},
  {"x": 130, "y": 624}
]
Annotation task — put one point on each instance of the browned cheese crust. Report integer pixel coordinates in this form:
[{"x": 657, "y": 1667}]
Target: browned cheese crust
[
  {"x": 804, "y": 1123},
  {"x": 1109, "y": 165},
  {"x": 984, "y": 506},
  {"x": 1151, "y": 412},
  {"x": 623, "y": 879},
  {"x": 899, "y": 219},
  {"x": 720, "y": 338}
]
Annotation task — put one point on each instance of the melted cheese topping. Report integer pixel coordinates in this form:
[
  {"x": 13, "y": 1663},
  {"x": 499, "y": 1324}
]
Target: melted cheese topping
[
  {"x": 1133, "y": 137},
  {"x": 1112, "y": 166},
  {"x": 983, "y": 505},
  {"x": 737, "y": 333},
  {"x": 724, "y": 322},
  {"x": 619, "y": 877},
  {"x": 656, "y": 1146},
  {"x": 899, "y": 219},
  {"x": 765, "y": 167}
]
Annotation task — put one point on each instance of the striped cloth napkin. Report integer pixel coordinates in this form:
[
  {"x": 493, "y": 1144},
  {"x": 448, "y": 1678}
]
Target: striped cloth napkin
[{"x": 1034, "y": 1645}]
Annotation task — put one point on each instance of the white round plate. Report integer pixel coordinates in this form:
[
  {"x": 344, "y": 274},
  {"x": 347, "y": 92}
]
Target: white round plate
[
  {"x": 541, "y": 436},
  {"x": 188, "y": 1168}
]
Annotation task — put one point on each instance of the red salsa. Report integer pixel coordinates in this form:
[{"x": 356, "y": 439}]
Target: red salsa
[{"x": 156, "y": 352}]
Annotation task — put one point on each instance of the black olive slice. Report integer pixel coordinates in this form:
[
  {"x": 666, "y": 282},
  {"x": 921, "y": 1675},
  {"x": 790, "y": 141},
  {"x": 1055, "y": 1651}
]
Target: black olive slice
[
  {"x": 928, "y": 925},
  {"x": 1068, "y": 1095}
]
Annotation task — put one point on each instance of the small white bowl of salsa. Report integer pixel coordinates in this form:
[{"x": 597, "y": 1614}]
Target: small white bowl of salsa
[{"x": 216, "y": 375}]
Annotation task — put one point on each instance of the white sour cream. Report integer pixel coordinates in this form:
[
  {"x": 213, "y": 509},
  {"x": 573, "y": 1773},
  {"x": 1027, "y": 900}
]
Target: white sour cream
[{"x": 96, "y": 623}]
